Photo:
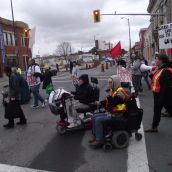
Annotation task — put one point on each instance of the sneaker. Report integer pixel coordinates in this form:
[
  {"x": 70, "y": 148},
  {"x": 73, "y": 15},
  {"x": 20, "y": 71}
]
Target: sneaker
[
  {"x": 8, "y": 126},
  {"x": 43, "y": 104},
  {"x": 35, "y": 106},
  {"x": 151, "y": 130},
  {"x": 92, "y": 139},
  {"x": 166, "y": 114},
  {"x": 22, "y": 122},
  {"x": 97, "y": 143}
]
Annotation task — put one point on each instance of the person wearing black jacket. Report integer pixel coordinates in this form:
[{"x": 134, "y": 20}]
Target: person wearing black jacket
[
  {"x": 12, "y": 108},
  {"x": 84, "y": 95},
  {"x": 162, "y": 89}
]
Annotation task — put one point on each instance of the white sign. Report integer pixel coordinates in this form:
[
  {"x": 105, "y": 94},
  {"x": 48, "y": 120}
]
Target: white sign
[{"x": 165, "y": 36}]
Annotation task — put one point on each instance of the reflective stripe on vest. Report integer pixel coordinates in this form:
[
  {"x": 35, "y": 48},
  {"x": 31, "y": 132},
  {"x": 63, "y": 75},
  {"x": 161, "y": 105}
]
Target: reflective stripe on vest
[
  {"x": 120, "y": 107},
  {"x": 155, "y": 81},
  {"x": 123, "y": 91}
]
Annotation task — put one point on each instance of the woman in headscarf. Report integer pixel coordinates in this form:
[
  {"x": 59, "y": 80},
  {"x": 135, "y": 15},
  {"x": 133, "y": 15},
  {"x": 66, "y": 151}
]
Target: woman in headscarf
[{"x": 115, "y": 106}]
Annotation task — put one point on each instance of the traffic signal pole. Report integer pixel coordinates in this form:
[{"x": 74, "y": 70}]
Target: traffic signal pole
[{"x": 134, "y": 14}]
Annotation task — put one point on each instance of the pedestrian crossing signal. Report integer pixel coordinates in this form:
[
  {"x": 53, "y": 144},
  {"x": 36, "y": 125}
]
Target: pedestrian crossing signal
[
  {"x": 96, "y": 16},
  {"x": 26, "y": 33}
]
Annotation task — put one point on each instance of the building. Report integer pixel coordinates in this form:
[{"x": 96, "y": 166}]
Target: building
[
  {"x": 161, "y": 7},
  {"x": 13, "y": 52},
  {"x": 103, "y": 45},
  {"x": 148, "y": 50}
]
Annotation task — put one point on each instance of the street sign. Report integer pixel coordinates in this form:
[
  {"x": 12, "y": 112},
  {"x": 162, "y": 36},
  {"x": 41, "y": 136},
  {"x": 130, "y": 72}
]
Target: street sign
[{"x": 165, "y": 36}]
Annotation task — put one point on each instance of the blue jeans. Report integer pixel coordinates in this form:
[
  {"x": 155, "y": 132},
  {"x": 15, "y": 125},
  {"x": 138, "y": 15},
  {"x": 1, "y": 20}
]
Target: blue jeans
[
  {"x": 97, "y": 127},
  {"x": 36, "y": 95}
]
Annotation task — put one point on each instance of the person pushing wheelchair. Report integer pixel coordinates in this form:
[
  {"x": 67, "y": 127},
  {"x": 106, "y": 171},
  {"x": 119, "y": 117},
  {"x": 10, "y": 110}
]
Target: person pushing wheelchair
[{"x": 115, "y": 108}]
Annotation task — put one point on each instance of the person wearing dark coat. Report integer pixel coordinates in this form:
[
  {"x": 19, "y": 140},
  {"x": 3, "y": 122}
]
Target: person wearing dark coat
[
  {"x": 12, "y": 108},
  {"x": 24, "y": 87},
  {"x": 161, "y": 86},
  {"x": 71, "y": 66},
  {"x": 84, "y": 95}
]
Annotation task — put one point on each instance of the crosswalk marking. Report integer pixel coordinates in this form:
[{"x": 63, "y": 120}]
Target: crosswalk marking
[
  {"x": 137, "y": 154},
  {"x": 10, "y": 168}
]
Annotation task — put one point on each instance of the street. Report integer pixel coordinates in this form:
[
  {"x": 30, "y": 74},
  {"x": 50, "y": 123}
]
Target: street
[{"x": 39, "y": 146}]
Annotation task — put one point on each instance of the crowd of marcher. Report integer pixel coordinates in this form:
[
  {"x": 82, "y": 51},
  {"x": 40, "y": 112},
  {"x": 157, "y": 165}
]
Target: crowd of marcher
[{"x": 158, "y": 77}]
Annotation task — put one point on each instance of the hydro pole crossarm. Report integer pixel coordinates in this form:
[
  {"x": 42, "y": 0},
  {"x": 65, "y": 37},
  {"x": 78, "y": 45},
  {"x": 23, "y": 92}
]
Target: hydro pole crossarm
[{"x": 135, "y": 14}]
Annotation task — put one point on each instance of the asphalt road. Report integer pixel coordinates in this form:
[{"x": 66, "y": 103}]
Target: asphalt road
[{"x": 39, "y": 146}]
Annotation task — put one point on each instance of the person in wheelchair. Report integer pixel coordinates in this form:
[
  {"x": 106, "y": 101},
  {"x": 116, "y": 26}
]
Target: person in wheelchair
[
  {"x": 84, "y": 96},
  {"x": 115, "y": 108}
]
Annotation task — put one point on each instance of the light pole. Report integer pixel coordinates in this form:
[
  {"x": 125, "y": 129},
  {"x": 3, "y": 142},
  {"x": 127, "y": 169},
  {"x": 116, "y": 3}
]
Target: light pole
[
  {"x": 95, "y": 39},
  {"x": 129, "y": 33}
]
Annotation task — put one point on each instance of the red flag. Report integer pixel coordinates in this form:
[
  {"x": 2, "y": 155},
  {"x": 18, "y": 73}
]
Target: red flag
[{"x": 116, "y": 51}]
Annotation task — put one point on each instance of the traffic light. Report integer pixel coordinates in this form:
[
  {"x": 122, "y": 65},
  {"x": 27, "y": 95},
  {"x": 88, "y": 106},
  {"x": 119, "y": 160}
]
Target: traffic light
[
  {"x": 96, "y": 16},
  {"x": 26, "y": 33}
]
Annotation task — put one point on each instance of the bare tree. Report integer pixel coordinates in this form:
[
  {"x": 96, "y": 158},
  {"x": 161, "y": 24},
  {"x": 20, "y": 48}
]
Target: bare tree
[{"x": 64, "y": 49}]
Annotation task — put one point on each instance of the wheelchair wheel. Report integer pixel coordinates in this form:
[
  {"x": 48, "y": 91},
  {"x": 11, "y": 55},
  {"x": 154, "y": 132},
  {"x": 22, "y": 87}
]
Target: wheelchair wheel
[
  {"x": 120, "y": 139},
  {"x": 138, "y": 136},
  {"x": 107, "y": 147},
  {"x": 61, "y": 130}
]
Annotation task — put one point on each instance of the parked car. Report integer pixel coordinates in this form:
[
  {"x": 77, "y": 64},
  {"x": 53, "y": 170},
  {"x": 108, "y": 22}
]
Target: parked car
[
  {"x": 108, "y": 59},
  {"x": 88, "y": 59}
]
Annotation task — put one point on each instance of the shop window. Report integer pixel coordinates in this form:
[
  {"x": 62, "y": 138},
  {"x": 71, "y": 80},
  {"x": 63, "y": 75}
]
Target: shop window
[{"x": 11, "y": 61}]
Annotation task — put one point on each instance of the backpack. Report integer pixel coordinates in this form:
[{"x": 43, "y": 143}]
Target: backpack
[{"x": 37, "y": 74}]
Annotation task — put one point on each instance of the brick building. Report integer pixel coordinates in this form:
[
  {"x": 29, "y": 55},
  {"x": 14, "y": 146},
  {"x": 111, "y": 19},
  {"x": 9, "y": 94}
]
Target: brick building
[{"x": 13, "y": 52}]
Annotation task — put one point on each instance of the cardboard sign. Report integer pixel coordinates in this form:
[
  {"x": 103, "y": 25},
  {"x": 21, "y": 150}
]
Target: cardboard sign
[
  {"x": 165, "y": 36},
  {"x": 124, "y": 74}
]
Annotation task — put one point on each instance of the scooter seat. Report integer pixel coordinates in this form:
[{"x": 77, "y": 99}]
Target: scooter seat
[{"x": 83, "y": 110}]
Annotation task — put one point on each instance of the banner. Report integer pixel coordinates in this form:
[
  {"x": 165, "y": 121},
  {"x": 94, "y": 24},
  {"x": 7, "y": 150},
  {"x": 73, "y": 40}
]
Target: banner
[
  {"x": 2, "y": 45},
  {"x": 165, "y": 36}
]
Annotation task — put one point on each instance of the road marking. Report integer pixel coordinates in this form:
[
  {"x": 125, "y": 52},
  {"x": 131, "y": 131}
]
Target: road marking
[
  {"x": 137, "y": 154},
  {"x": 10, "y": 168}
]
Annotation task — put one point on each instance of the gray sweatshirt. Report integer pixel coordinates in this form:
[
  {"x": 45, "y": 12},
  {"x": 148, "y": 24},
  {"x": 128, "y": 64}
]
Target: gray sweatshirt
[{"x": 135, "y": 69}]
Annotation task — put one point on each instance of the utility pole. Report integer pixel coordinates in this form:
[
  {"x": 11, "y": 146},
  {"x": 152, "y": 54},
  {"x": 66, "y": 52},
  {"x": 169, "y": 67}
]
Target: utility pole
[
  {"x": 15, "y": 34},
  {"x": 129, "y": 33}
]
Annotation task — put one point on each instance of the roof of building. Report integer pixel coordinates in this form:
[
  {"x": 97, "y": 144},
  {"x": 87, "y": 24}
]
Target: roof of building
[{"x": 19, "y": 24}]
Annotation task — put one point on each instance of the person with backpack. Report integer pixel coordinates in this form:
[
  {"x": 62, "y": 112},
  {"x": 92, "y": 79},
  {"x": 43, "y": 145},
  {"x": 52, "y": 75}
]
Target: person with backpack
[
  {"x": 34, "y": 77},
  {"x": 162, "y": 90}
]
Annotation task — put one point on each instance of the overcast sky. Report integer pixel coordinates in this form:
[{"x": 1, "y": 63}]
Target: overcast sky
[{"x": 71, "y": 20}]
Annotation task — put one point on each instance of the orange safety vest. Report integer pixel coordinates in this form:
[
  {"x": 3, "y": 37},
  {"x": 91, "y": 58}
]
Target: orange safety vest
[
  {"x": 155, "y": 80},
  {"x": 119, "y": 107}
]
